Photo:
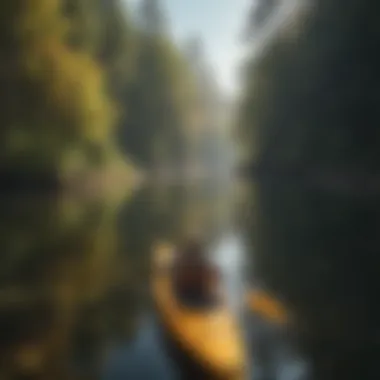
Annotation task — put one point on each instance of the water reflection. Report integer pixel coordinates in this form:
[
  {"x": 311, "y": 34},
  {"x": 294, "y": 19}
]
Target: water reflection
[
  {"x": 57, "y": 267},
  {"x": 74, "y": 274},
  {"x": 316, "y": 249}
]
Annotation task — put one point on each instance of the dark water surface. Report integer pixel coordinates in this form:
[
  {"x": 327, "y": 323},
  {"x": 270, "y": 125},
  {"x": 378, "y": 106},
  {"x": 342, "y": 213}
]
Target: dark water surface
[{"x": 74, "y": 297}]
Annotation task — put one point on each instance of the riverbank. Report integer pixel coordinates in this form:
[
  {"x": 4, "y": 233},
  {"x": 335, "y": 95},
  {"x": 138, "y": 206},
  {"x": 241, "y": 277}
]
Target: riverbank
[{"x": 115, "y": 178}]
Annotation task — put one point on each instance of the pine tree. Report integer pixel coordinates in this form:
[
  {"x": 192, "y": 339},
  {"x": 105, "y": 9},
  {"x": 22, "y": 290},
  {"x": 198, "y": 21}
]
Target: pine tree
[
  {"x": 158, "y": 96},
  {"x": 53, "y": 98},
  {"x": 151, "y": 18},
  {"x": 104, "y": 30},
  {"x": 310, "y": 116}
]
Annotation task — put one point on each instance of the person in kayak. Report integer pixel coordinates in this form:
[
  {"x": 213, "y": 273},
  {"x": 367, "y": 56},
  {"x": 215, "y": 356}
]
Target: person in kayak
[{"x": 196, "y": 281}]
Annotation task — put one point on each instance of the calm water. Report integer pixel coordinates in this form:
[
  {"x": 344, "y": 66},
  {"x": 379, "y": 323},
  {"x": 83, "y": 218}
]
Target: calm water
[{"x": 75, "y": 283}]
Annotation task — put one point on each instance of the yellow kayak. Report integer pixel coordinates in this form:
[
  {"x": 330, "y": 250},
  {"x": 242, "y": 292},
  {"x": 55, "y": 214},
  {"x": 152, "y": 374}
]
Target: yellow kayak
[
  {"x": 262, "y": 303},
  {"x": 210, "y": 338}
]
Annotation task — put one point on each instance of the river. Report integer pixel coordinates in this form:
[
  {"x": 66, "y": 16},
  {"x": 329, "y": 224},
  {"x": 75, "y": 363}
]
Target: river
[{"x": 75, "y": 299}]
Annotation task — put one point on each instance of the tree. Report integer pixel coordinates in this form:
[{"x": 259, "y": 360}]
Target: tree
[
  {"x": 151, "y": 18},
  {"x": 104, "y": 30},
  {"x": 53, "y": 96},
  {"x": 207, "y": 104},
  {"x": 309, "y": 113},
  {"x": 157, "y": 98}
]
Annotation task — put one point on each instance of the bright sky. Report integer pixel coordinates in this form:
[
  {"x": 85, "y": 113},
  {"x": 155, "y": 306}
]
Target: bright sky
[{"x": 219, "y": 23}]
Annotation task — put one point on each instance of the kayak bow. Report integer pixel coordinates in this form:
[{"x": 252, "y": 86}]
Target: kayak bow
[{"x": 210, "y": 338}]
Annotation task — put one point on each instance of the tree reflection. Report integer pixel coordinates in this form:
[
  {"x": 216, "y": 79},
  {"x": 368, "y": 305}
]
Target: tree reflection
[
  {"x": 59, "y": 281},
  {"x": 316, "y": 251},
  {"x": 74, "y": 273}
]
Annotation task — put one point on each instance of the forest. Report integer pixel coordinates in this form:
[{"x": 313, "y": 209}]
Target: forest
[
  {"x": 93, "y": 92},
  {"x": 89, "y": 86},
  {"x": 308, "y": 121}
]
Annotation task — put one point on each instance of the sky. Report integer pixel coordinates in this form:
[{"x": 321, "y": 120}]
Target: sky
[{"x": 219, "y": 23}]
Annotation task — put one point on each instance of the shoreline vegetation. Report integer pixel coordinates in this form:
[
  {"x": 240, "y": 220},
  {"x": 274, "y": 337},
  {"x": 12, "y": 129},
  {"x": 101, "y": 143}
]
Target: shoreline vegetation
[
  {"x": 112, "y": 179},
  {"x": 93, "y": 94},
  {"x": 102, "y": 181}
]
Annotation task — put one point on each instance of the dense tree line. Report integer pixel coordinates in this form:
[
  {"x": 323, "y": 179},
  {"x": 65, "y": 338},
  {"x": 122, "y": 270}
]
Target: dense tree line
[
  {"x": 159, "y": 103},
  {"x": 83, "y": 80},
  {"x": 53, "y": 103},
  {"x": 60, "y": 272},
  {"x": 309, "y": 115},
  {"x": 146, "y": 74}
]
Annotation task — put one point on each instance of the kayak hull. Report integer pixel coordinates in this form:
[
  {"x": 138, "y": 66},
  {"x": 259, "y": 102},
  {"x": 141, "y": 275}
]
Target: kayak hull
[
  {"x": 187, "y": 366},
  {"x": 205, "y": 344}
]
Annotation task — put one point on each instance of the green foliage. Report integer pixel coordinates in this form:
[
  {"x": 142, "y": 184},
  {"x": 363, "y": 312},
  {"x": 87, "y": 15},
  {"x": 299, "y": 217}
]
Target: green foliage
[
  {"x": 53, "y": 96},
  {"x": 151, "y": 17},
  {"x": 145, "y": 73},
  {"x": 76, "y": 72},
  {"x": 104, "y": 30},
  {"x": 311, "y": 106},
  {"x": 158, "y": 101}
]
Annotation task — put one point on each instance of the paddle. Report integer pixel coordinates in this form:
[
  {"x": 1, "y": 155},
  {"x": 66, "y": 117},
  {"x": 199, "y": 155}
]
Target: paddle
[{"x": 262, "y": 303}]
